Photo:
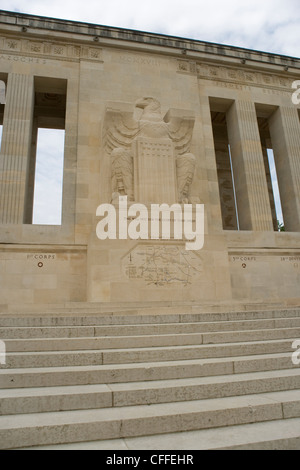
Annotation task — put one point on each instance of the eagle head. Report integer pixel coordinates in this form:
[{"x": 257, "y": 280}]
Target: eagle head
[{"x": 148, "y": 104}]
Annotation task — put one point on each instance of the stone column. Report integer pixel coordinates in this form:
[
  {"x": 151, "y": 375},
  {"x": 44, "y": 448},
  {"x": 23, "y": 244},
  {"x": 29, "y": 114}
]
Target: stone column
[
  {"x": 248, "y": 166},
  {"x": 16, "y": 147},
  {"x": 285, "y": 135}
]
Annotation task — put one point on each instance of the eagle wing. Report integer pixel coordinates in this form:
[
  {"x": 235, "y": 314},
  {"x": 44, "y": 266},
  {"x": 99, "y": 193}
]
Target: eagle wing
[
  {"x": 119, "y": 130},
  {"x": 180, "y": 129}
]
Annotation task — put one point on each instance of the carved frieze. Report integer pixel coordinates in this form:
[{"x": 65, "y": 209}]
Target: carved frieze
[
  {"x": 50, "y": 50},
  {"x": 234, "y": 75},
  {"x": 242, "y": 77}
]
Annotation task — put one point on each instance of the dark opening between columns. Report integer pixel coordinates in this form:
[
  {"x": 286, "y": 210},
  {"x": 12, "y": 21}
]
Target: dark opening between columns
[{"x": 49, "y": 113}]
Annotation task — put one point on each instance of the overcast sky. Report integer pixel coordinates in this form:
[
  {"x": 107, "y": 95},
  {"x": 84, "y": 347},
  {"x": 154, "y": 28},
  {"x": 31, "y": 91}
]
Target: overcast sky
[
  {"x": 49, "y": 177},
  {"x": 266, "y": 25}
]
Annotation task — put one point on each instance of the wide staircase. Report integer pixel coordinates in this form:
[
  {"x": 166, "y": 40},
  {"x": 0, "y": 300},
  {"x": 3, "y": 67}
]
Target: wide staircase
[{"x": 170, "y": 381}]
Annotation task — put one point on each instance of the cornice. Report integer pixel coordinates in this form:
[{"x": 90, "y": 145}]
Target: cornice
[{"x": 97, "y": 36}]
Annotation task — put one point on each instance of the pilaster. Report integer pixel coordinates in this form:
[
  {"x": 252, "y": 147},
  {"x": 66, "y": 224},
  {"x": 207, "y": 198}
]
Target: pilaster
[{"x": 16, "y": 147}]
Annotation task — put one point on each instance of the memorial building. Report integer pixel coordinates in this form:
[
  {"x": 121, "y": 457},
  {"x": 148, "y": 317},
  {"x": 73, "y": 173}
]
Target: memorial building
[
  {"x": 199, "y": 134},
  {"x": 160, "y": 120}
]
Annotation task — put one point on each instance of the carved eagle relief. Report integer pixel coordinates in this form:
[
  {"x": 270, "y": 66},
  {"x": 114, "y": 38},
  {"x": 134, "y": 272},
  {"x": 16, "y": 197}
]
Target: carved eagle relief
[{"x": 121, "y": 128}]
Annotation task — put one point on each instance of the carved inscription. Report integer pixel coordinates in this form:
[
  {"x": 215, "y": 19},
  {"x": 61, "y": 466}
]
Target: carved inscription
[
  {"x": 132, "y": 59},
  {"x": 243, "y": 259},
  {"x": 290, "y": 258},
  {"x": 41, "y": 257},
  {"x": 25, "y": 60},
  {"x": 293, "y": 261}
]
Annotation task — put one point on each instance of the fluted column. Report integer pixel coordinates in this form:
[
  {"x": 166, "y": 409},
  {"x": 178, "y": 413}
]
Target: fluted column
[
  {"x": 248, "y": 165},
  {"x": 16, "y": 147},
  {"x": 285, "y": 135}
]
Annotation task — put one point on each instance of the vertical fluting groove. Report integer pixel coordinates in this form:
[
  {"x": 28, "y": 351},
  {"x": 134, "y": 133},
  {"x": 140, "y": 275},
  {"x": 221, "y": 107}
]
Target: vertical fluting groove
[
  {"x": 22, "y": 131},
  {"x": 13, "y": 153}
]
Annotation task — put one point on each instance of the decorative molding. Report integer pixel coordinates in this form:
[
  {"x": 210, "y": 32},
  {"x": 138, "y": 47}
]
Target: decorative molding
[
  {"x": 50, "y": 50},
  {"x": 235, "y": 75},
  {"x": 187, "y": 66}
]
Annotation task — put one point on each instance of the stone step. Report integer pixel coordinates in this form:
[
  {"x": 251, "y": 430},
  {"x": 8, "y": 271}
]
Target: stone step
[
  {"x": 283, "y": 434},
  {"x": 146, "y": 354},
  {"x": 148, "y": 371},
  {"x": 133, "y": 319},
  {"x": 116, "y": 423},
  {"x": 139, "y": 330},
  {"x": 129, "y": 342},
  {"x": 115, "y": 376},
  {"x": 40, "y": 400},
  {"x": 99, "y": 343}
]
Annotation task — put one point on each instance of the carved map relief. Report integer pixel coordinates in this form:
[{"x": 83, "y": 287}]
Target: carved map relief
[
  {"x": 150, "y": 154},
  {"x": 163, "y": 265}
]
